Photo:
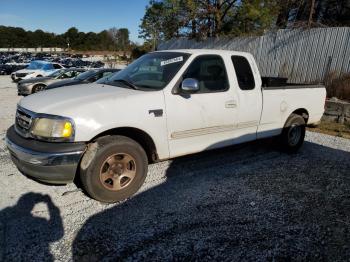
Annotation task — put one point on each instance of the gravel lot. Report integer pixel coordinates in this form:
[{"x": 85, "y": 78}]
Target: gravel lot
[{"x": 249, "y": 202}]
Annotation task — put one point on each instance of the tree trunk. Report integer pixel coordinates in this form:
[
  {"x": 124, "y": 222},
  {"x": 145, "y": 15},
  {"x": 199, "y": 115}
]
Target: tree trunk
[
  {"x": 193, "y": 28},
  {"x": 311, "y": 13},
  {"x": 218, "y": 14}
]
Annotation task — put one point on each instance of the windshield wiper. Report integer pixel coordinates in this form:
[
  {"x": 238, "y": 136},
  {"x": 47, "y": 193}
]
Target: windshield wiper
[{"x": 126, "y": 83}]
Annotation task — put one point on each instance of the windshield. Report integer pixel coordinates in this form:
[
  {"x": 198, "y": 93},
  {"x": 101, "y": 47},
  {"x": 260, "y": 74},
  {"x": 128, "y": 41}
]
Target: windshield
[
  {"x": 85, "y": 75},
  {"x": 106, "y": 77},
  {"x": 150, "y": 72},
  {"x": 35, "y": 65},
  {"x": 56, "y": 73}
]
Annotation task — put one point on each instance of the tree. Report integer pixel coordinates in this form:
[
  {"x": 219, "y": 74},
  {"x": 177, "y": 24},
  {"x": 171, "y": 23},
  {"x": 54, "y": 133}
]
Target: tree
[
  {"x": 151, "y": 28},
  {"x": 120, "y": 38},
  {"x": 18, "y": 37},
  {"x": 255, "y": 16},
  {"x": 123, "y": 39},
  {"x": 206, "y": 18},
  {"x": 300, "y": 13}
]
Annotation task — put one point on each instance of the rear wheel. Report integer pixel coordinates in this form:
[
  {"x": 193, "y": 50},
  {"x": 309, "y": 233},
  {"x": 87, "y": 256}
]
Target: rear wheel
[
  {"x": 38, "y": 88},
  {"x": 293, "y": 133},
  {"x": 117, "y": 170}
]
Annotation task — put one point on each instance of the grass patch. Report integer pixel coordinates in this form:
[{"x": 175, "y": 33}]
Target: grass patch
[{"x": 334, "y": 129}]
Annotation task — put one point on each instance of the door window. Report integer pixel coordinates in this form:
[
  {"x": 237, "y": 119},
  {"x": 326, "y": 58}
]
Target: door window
[
  {"x": 107, "y": 73},
  {"x": 210, "y": 72},
  {"x": 57, "y": 66},
  {"x": 95, "y": 77},
  {"x": 244, "y": 73}
]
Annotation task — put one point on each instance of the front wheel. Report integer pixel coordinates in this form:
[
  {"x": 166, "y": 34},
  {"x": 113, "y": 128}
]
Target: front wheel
[
  {"x": 116, "y": 171},
  {"x": 293, "y": 133}
]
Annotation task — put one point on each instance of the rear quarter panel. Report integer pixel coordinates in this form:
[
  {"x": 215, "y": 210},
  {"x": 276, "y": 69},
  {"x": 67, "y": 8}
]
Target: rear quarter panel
[{"x": 279, "y": 104}]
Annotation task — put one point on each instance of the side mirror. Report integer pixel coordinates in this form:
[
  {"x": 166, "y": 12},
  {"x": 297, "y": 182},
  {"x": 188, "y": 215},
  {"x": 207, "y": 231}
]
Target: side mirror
[{"x": 190, "y": 85}]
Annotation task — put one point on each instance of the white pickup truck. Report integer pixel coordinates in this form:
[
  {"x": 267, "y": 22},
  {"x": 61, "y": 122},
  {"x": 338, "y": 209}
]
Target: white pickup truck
[{"x": 164, "y": 105}]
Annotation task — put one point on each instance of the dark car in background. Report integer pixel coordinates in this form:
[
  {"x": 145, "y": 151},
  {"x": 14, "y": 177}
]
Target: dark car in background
[
  {"x": 84, "y": 78},
  {"x": 33, "y": 85},
  {"x": 8, "y": 69}
]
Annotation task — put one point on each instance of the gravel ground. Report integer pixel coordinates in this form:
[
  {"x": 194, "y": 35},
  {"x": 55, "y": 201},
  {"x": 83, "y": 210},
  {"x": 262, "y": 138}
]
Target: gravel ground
[{"x": 249, "y": 202}]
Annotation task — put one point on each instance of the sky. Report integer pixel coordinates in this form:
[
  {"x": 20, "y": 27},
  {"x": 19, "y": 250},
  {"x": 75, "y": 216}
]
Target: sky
[{"x": 59, "y": 15}]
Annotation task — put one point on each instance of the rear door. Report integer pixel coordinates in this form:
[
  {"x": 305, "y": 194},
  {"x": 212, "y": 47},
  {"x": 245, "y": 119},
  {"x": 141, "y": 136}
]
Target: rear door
[
  {"x": 249, "y": 97},
  {"x": 205, "y": 119}
]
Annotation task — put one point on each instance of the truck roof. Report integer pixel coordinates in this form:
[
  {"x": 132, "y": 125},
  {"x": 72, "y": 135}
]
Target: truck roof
[{"x": 207, "y": 51}]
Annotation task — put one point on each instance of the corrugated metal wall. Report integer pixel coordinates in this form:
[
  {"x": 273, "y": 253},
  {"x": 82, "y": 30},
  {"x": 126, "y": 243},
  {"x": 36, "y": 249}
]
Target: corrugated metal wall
[{"x": 304, "y": 56}]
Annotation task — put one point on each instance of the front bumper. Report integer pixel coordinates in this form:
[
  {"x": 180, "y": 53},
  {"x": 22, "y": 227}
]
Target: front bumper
[
  {"x": 24, "y": 90},
  {"x": 54, "y": 163},
  {"x": 16, "y": 79}
]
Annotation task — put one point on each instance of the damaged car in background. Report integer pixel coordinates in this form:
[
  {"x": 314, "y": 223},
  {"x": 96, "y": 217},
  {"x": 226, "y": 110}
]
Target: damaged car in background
[
  {"x": 36, "y": 68},
  {"x": 33, "y": 85},
  {"x": 84, "y": 78}
]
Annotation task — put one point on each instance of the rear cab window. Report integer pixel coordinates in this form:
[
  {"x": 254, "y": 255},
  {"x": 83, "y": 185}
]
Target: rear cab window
[{"x": 244, "y": 73}]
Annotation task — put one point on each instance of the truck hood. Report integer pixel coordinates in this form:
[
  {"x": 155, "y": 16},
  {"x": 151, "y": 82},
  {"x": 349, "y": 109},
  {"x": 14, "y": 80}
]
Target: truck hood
[
  {"x": 64, "y": 100},
  {"x": 96, "y": 108}
]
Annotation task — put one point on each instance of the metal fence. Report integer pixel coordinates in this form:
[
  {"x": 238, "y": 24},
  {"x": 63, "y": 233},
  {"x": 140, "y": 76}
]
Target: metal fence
[{"x": 304, "y": 56}]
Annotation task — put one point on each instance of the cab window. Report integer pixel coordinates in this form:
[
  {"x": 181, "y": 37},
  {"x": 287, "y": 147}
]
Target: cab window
[
  {"x": 210, "y": 72},
  {"x": 244, "y": 73}
]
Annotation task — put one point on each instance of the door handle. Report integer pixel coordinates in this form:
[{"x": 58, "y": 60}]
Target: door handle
[
  {"x": 231, "y": 104},
  {"x": 156, "y": 112}
]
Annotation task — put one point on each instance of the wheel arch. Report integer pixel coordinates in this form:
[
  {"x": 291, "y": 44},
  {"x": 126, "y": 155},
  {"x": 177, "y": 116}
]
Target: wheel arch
[
  {"x": 140, "y": 136},
  {"x": 301, "y": 112},
  {"x": 40, "y": 83},
  {"x": 36, "y": 85}
]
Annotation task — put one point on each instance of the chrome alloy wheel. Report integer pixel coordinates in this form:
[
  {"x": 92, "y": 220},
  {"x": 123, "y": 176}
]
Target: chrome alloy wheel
[{"x": 118, "y": 171}]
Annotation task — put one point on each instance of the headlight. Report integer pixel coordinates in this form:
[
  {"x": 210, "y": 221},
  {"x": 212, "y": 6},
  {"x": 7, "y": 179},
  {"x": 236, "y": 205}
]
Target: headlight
[{"x": 53, "y": 129}]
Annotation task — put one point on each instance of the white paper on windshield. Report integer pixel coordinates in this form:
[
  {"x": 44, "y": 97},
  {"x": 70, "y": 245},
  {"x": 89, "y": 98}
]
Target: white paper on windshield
[{"x": 172, "y": 60}]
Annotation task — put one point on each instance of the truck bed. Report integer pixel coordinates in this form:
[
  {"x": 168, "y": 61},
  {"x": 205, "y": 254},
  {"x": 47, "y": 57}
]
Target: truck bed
[
  {"x": 271, "y": 83},
  {"x": 279, "y": 102},
  {"x": 293, "y": 86}
]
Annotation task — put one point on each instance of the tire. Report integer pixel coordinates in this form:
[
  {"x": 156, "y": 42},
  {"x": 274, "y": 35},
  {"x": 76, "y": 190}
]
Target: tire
[
  {"x": 38, "y": 88},
  {"x": 117, "y": 170},
  {"x": 293, "y": 134}
]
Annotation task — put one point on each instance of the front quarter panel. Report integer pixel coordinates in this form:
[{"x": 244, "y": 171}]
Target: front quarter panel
[{"x": 96, "y": 117}]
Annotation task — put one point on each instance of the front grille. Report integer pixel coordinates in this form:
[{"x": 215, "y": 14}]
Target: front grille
[
  {"x": 21, "y": 74},
  {"x": 23, "y": 122}
]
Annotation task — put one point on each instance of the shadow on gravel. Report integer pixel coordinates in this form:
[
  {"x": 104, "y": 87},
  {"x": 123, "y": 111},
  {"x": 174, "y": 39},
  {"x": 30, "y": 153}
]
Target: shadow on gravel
[
  {"x": 247, "y": 203},
  {"x": 26, "y": 236}
]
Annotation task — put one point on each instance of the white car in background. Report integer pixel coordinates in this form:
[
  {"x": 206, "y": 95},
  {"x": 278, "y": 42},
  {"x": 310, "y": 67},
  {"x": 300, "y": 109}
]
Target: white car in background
[{"x": 36, "y": 68}]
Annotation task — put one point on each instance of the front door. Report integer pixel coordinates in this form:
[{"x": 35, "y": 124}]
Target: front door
[{"x": 205, "y": 119}]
